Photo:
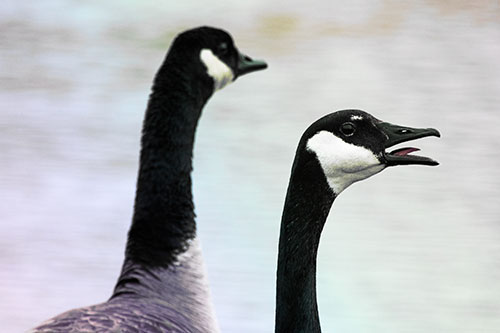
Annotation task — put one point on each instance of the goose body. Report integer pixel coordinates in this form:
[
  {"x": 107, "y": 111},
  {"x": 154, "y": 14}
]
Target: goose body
[
  {"x": 337, "y": 150},
  {"x": 163, "y": 286}
]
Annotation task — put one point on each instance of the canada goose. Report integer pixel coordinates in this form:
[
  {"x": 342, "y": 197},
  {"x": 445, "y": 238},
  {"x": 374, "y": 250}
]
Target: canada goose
[
  {"x": 335, "y": 151},
  {"x": 162, "y": 286}
]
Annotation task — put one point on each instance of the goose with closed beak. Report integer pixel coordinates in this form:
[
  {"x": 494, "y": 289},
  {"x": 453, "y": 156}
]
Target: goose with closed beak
[{"x": 163, "y": 286}]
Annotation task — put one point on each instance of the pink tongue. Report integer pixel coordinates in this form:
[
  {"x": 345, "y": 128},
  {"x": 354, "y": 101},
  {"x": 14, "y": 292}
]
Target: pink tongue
[{"x": 405, "y": 151}]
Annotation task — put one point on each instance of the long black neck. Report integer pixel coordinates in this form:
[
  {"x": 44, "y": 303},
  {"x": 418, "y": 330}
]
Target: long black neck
[
  {"x": 308, "y": 202},
  {"x": 163, "y": 220}
]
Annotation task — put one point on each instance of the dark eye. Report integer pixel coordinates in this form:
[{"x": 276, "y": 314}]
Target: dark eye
[
  {"x": 348, "y": 129},
  {"x": 222, "y": 49}
]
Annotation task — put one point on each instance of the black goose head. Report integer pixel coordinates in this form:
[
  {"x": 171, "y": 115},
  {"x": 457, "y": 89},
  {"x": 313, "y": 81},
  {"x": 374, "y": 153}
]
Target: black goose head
[
  {"x": 209, "y": 54},
  {"x": 351, "y": 145}
]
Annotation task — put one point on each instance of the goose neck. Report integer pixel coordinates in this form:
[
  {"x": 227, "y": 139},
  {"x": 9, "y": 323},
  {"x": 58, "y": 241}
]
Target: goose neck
[
  {"x": 306, "y": 208},
  {"x": 163, "y": 220}
]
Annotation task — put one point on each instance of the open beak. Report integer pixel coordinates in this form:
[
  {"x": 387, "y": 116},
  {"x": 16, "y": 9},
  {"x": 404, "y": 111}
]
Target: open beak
[
  {"x": 397, "y": 134},
  {"x": 247, "y": 65}
]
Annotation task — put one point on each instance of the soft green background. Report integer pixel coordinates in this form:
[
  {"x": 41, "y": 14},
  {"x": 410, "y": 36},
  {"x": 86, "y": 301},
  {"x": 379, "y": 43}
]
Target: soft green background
[{"x": 414, "y": 249}]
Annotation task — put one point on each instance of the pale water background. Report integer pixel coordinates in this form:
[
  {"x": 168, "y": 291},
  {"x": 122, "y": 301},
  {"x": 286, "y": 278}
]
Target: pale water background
[{"x": 414, "y": 249}]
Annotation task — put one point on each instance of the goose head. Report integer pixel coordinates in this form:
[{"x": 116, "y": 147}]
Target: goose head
[
  {"x": 210, "y": 55},
  {"x": 352, "y": 145}
]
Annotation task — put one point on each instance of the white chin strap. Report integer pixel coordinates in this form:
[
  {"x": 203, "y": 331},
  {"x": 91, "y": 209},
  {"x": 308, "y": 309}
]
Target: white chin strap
[
  {"x": 216, "y": 69},
  {"x": 343, "y": 163}
]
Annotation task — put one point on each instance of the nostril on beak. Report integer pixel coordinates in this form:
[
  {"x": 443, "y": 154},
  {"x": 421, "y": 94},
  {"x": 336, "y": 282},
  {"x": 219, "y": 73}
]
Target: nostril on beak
[{"x": 404, "y": 131}]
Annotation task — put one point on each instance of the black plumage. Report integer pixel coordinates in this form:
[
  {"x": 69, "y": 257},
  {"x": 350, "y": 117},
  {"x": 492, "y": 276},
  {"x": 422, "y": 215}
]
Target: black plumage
[
  {"x": 162, "y": 286},
  {"x": 308, "y": 202}
]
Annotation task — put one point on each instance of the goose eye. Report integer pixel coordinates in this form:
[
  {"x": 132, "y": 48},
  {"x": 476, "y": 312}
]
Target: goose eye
[
  {"x": 348, "y": 129},
  {"x": 222, "y": 49}
]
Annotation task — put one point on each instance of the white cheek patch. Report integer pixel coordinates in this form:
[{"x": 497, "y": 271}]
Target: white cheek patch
[
  {"x": 217, "y": 69},
  {"x": 343, "y": 163}
]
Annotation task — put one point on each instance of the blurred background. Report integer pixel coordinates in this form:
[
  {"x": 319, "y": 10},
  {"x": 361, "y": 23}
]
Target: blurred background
[{"x": 414, "y": 249}]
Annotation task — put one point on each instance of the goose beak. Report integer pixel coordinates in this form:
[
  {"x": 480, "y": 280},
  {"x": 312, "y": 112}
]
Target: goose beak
[
  {"x": 397, "y": 134},
  {"x": 247, "y": 65}
]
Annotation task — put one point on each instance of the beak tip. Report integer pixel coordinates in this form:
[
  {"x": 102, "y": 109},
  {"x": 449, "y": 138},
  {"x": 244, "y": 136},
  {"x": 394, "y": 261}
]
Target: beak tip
[
  {"x": 436, "y": 132},
  {"x": 249, "y": 67}
]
